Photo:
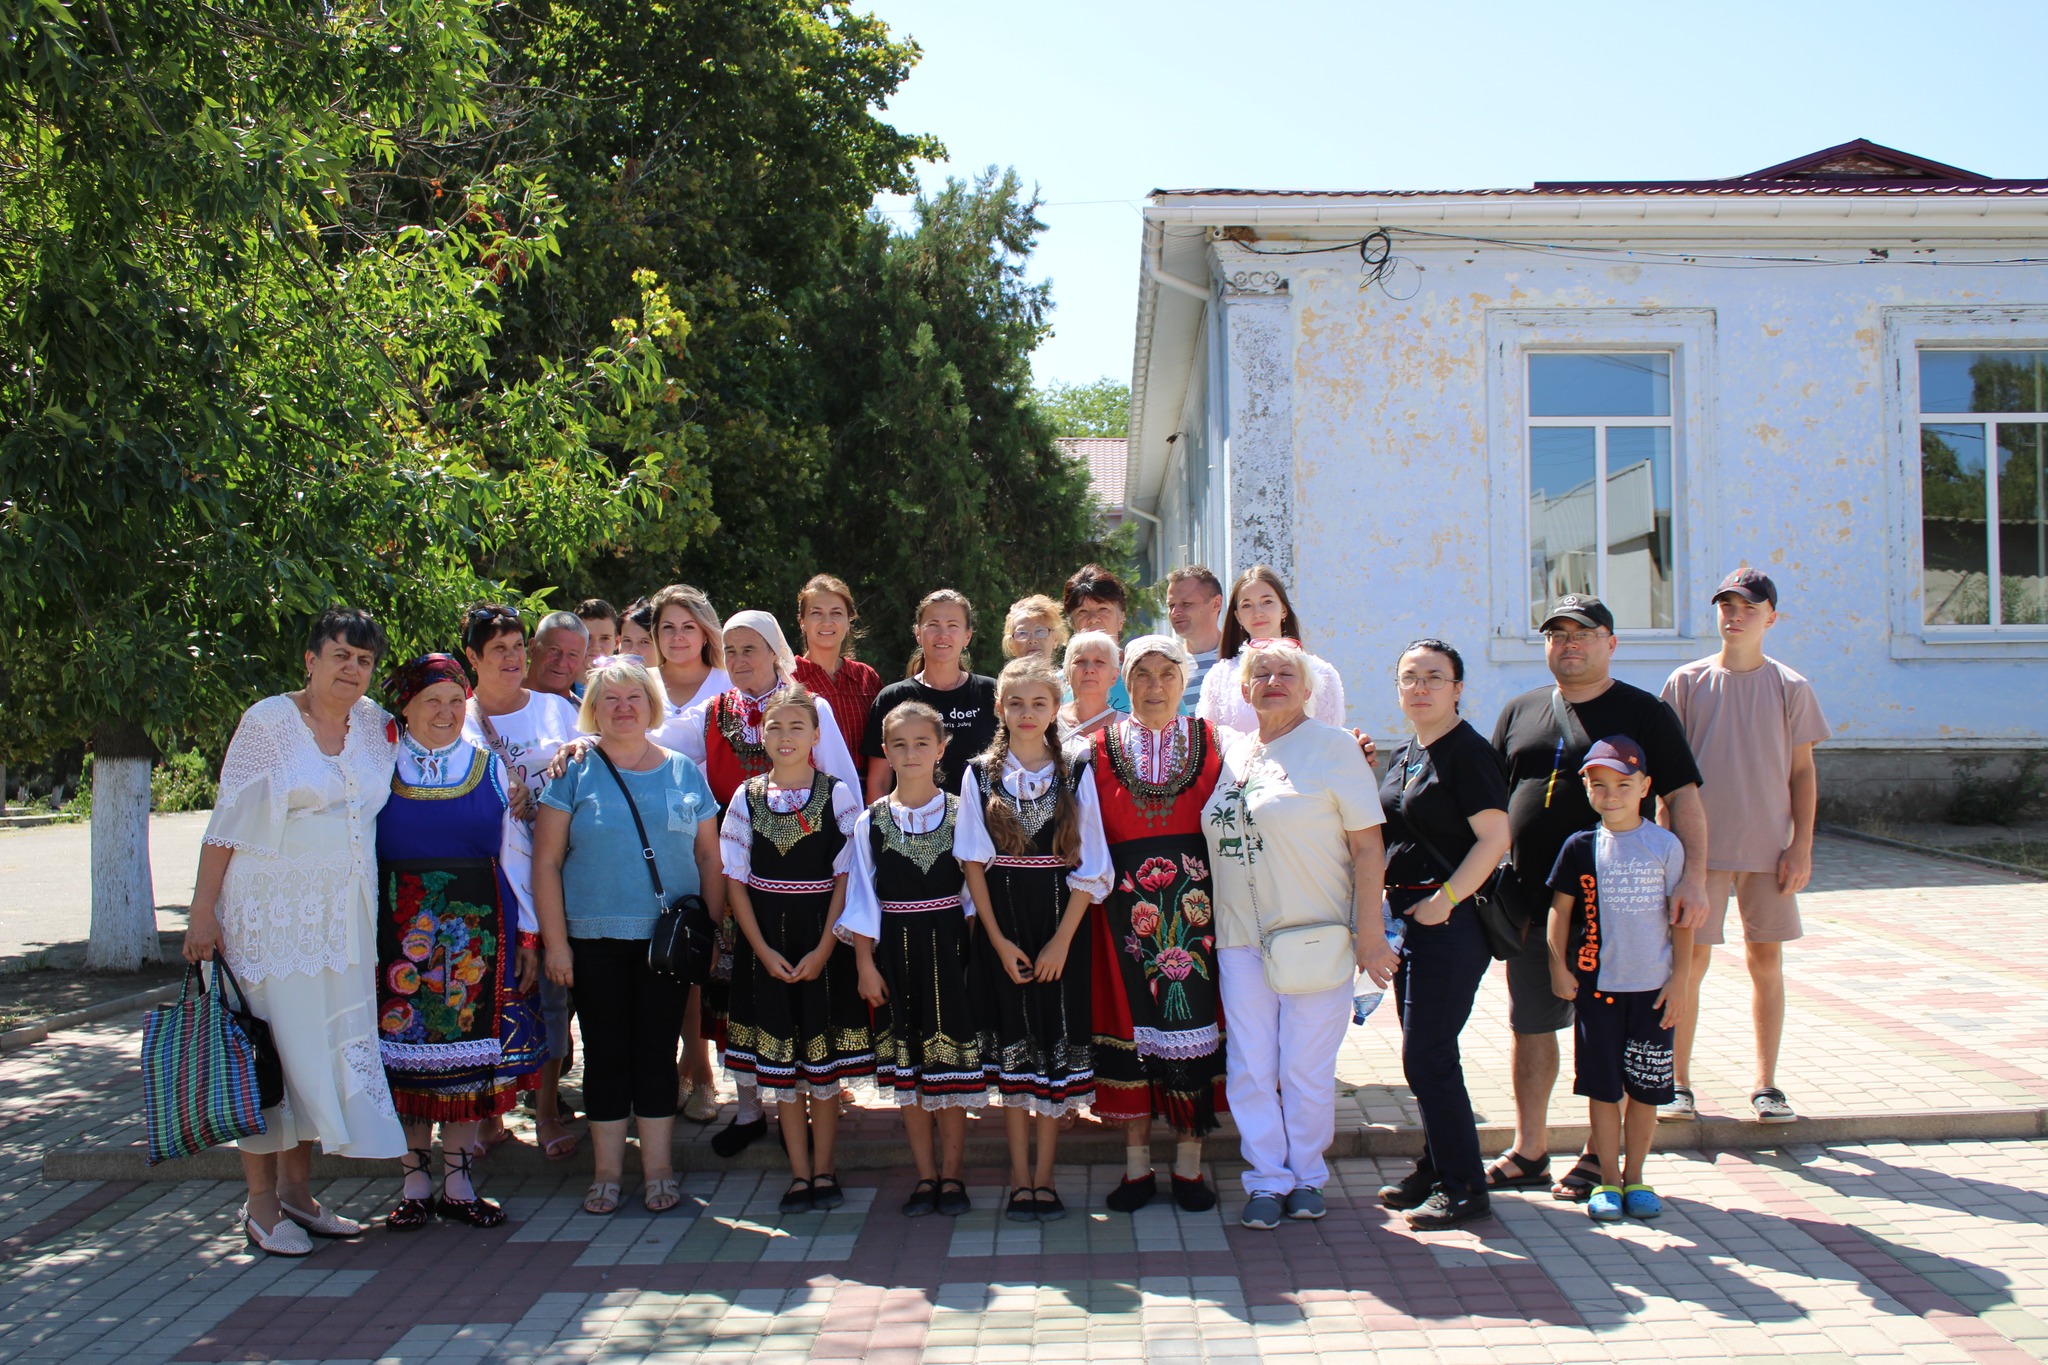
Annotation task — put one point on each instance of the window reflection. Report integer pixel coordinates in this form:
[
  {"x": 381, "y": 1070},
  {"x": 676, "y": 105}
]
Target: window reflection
[
  {"x": 1584, "y": 384},
  {"x": 1639, "y": 527},
  {"x": 1562, "y": 533},
  {"x": 1955, "y": 584},
  {"x": 2022, "y": 525},
  {"x": 1984, "y": 381}
]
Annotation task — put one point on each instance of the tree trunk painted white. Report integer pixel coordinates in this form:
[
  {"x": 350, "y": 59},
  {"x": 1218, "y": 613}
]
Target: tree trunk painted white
[{"x": 123, "y": 896}]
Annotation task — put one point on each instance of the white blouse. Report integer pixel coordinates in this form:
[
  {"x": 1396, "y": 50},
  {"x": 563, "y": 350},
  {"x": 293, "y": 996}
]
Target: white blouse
[
  {"x": 686, "y": 736},
  {"x": 736, "y": 831},
  {"x": 1223, "y": 702},
  {"x": 973, "y": 844},
  {"x": 300, "y": 894},
  {"x": 447, "y": 766},
  {"x": 669, "y": 735},
  {"x": 863, "y": 912}
]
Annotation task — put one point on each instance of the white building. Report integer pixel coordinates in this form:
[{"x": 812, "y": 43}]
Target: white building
[{"x": 1432, "y": 411}]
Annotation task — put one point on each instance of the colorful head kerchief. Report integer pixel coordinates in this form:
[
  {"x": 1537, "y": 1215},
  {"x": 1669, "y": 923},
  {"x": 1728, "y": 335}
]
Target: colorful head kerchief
[{"x": 409, "y": 680}]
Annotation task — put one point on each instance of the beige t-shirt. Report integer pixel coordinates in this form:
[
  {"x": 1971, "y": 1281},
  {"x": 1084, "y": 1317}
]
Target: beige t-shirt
[
  {"x": 1743, "y": 728},
  {"x": 1278, "y": 818}
]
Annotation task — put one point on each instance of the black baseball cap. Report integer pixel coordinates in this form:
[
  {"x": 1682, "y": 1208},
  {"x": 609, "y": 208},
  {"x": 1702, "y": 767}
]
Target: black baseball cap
[
  {"x": 1752, "y": 585},
  {"x": 1586, "y": 610},
  {"x": 1618, "y": 752}
]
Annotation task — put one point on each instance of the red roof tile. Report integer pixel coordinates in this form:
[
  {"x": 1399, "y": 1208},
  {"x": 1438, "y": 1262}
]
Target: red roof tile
[{"x": 1107, "y": 459}]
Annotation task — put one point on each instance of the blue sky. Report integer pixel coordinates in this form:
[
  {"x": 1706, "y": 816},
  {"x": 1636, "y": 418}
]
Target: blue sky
[{"x": 1099, "y": 103}]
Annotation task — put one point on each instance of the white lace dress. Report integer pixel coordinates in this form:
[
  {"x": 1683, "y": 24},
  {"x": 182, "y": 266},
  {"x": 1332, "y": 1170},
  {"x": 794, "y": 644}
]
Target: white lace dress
[{"x": 298, "y": 918}]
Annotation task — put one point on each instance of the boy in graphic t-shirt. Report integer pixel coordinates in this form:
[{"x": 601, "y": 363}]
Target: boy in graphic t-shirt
[{"x": 1612, "y": 948}]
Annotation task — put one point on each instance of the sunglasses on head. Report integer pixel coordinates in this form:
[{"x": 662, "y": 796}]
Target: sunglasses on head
[{"x": 1267, "y": 642}]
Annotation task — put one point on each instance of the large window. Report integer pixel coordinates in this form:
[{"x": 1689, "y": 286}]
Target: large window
[
  {"x": 1983, "y": 522},
  {"x": 1600, "y": 494}
]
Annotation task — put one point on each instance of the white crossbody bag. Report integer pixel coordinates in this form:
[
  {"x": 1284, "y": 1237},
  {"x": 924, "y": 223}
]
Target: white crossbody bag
[{"x": 1304, "y": 959}]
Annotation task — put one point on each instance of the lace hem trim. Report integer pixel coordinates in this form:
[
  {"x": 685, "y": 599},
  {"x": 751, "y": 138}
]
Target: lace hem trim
[
  {"x": 1181, "y": 1045},
  {"x": 412, "y": 1057}
]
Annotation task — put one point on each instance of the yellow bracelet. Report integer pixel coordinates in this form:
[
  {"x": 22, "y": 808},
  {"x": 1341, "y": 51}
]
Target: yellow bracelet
[{"x": 1450, "y": 896}]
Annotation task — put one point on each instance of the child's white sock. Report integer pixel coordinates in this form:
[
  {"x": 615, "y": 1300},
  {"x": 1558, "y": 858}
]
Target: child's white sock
[
  {"x": 750, "y": 1100},
  {"x": 1187, "y": 1158},
  {"x": 1137, "y": 1162}
]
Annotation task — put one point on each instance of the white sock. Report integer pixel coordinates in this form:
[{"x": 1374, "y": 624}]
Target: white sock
[
  {"x": 1137, "y": 1162},
  {"x": 1187, "y": 1158},
  {"x": 750, "y": 1100}
]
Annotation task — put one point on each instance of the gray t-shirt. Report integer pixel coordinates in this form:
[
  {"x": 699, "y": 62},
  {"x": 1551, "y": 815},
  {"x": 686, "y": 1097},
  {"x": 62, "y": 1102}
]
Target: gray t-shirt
[{"x": 1621, "y": 886}]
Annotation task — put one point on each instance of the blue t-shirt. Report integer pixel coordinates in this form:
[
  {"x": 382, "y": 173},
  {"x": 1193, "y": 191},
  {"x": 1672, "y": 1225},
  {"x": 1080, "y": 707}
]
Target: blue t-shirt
[
  {"x": 1621, "y": 886},
  {"x": 605, "y": 889}
]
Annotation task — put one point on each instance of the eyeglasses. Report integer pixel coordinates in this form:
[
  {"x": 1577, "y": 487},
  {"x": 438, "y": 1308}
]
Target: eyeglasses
[
  {"x": 1428, "y": 682},
  {"x": 1573, "y": 637},
  {"x": 1031, "y": 635}
]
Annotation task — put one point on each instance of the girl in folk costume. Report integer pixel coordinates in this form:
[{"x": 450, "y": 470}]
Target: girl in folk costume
[
  {"x": 1034, "y": 856},
  {"x": 907, "y": 920},
  {"x": 459, "y": 1023},
  {"x": 1158, "y": 1027},
  {"x": 723, "y": 733},
  {"x": 798, "y": 1024}
]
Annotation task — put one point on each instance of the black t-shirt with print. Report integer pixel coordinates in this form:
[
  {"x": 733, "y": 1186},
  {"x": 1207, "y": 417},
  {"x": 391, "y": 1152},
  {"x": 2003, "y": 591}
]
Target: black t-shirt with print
[
  {"x": 1547, "y": 797},
  {"x": 969, "y": 711},
  {"x": 1436, "y": 790}
]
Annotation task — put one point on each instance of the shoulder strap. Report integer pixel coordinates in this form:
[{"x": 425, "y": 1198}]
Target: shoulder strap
[
  {"x": 646, "y": 848},
  {"x": 1568, "y": 721}
]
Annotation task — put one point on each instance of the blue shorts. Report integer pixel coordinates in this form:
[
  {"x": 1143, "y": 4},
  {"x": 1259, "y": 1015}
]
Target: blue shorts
[{"x": 1621, "y": 1047}]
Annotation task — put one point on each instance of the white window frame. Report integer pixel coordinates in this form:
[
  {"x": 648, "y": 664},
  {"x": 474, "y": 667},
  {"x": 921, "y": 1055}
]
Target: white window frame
[
  {"x": 1907, "y": 332},
  {"x": 1687, "y": 336}
]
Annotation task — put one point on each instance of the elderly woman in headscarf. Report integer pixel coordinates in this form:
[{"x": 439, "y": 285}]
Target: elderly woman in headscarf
[
  {"x": 723, "y": 734},
  {"x": 459, "y": 1026},
  {"x": 1158, "y": 1030}
]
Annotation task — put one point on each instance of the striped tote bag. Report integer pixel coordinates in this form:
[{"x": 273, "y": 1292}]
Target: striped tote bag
[{"x": 199, "y": 1086}]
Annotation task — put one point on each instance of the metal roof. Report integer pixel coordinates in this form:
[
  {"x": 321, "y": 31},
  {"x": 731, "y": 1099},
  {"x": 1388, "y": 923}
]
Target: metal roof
[{"x": 1107, "y": 458}]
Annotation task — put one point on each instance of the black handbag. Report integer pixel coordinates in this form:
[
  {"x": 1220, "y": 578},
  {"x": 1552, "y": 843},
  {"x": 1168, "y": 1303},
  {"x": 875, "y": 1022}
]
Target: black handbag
[
  {"x": 1499, "y": 903},
  {"x": 684, "y": 942},
  {"x": 269, "y": 1066}
]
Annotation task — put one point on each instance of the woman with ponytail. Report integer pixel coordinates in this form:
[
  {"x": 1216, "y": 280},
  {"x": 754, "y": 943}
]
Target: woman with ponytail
[{"x": 1030, "y": 842}]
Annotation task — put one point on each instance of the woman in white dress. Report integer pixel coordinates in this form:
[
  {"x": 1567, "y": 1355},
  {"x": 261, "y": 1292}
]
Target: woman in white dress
[
  {"x": 287, "y": 890},
  {"x": 1259, "y": 610}
]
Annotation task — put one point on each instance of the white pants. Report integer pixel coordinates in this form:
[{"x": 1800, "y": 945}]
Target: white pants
[{"x": 1282, "y": 1073}]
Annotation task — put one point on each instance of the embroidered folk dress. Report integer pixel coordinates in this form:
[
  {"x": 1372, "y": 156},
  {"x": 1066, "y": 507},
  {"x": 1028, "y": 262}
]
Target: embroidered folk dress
[
  {"x": 298, "y": 914},
  {"x": 787, "y": 845},
  {"x": 454, "y": 865},
  {"x": 723, "y": 734},
  {"x": 1036, "y": 1039},
  {"x": 1158, "y": 1018},
  {"x": 906, "y": 892}
]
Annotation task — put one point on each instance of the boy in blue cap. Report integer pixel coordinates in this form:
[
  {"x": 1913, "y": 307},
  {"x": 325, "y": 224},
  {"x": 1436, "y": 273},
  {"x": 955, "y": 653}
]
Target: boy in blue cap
[{"x": 1613, "y": 943}]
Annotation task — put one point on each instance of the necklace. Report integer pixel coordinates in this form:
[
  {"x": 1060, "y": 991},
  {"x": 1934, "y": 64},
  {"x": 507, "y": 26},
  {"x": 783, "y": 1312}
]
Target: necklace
[
  {"x": 1184, "y": 758},
  {"x": 786, "y": 831},
  {"x": 752, "y": 754}
]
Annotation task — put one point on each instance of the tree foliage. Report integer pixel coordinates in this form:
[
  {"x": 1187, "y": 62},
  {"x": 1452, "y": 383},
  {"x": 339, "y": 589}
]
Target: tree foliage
[
  {"x": 1100, "y": 408},
  {"x": 250, "y": 269}
]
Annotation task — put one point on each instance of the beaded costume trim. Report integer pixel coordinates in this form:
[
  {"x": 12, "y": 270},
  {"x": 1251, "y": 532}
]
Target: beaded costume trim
[
  {"x": 787, "y": 831},
  {"x": 921, "y": 849}
]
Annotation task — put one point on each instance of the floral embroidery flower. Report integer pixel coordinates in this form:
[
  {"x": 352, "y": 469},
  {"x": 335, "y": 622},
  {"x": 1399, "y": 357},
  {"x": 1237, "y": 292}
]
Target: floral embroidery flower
[
  {"x": 1125, "y": 885},
  {"x": 1145, "y": 918},
  {"x": 1195, "y": 905},
  {"x": 1175, "y": 964},
  {"x": 1197, "y": 870},
  {"x": 1157, "y": 873},
  {"x": 1133, "y": 947},
  {"x": 397, "y": 1017},
  {"x": 404, "y": 978}
]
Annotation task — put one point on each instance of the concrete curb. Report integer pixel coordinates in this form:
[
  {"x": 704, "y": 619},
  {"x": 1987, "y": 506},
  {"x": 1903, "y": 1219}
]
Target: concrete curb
[
  {"x": 1091, "y": 1148},
  {"x": 30, "y": 1034},
  {"x": 1931, "y": 851}
]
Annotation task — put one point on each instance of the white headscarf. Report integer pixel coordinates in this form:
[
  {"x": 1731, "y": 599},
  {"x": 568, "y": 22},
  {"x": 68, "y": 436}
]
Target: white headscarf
[
  {"x": 769, "y": 629},
  {"x": 1156, "y": 644}
]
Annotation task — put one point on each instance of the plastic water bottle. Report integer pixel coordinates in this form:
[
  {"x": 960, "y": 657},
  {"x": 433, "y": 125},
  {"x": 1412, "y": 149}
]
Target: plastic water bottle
[{"x": 1368, "y": 999}]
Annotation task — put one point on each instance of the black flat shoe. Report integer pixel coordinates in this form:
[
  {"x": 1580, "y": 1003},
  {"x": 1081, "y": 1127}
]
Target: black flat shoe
[
  {"x": 410, "y": 1216},
  {"x": 736, "y": 1137},
  {"x": 1411, "y": 1191},
  {"x": 1023, "y": 1206},
  {"x": 825, "y": 1192},
  {"x": 1132, "y": 1195},
  {"x": 1193, "y": 1196},
  {"x": 798, "y": 1198},
  {"x": 477, "y": 1213},
  {"x": 1050, "y": 1208},
  {"x": 953, "y": 1200},
  {"x": 923, "y": 1201}
]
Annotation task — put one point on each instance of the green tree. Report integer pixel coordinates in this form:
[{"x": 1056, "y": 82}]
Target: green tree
[
  {"x": 1102, "y": 408},
  {"x": 250, "y": 264},
  {"x": 944, "y": 471}
]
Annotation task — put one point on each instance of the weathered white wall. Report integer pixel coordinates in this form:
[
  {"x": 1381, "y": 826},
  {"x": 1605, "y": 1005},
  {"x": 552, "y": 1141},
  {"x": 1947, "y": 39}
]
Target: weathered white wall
[{"x": 1391, "y": 527}]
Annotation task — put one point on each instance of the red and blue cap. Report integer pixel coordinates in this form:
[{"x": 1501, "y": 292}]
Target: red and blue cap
[{"x": 1618, "y": 752}]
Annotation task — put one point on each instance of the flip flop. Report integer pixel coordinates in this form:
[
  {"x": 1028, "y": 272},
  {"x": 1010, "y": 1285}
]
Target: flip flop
[{"x": 560, "y": 1148}]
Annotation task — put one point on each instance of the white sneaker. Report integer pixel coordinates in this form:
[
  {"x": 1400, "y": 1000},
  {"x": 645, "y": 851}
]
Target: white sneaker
[
  {"x": 286, "y": 1239},
  {"x": 1682, "y": 1109}
]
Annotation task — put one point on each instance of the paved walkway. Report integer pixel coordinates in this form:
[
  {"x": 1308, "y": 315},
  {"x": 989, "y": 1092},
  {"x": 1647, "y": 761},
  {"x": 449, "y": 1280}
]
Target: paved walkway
[
  {"x": 46, "y": 879},
  {"x": 1886, "y": 1252}
]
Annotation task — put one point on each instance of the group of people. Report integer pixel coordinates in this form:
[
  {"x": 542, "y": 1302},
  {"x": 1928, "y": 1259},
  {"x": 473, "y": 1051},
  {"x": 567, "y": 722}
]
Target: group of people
[{"x": 1134, "y": 878}]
